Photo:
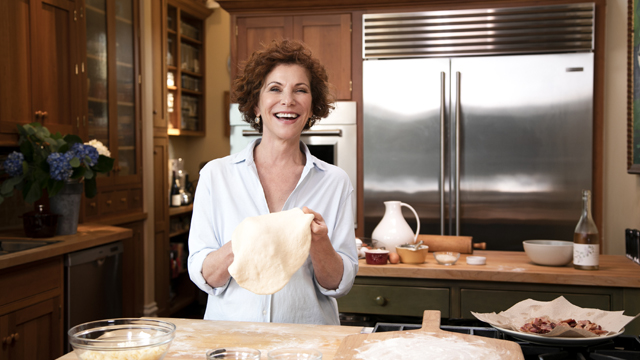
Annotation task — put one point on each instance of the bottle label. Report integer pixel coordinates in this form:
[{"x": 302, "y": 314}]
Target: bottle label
[
  {"x": 586, "y": 254},
  {"x": 176, "y": 200}
]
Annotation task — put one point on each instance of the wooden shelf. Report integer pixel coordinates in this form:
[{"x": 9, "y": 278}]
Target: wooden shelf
[
  {"x": 180, "y": 232},
  {"x": 190, "y": 39},
  {"x": 100, "y": 11},
  {"x": 191, "y": 73},
  {"x": 174, "y": 88},
  {"x": 173, "y": 211},
  {"x": 191, "y": 92},
  {"x": 179, "y": 132}
]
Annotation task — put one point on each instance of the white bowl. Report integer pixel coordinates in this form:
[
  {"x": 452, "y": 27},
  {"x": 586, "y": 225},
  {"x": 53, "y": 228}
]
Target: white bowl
[{"x": 549, "y": 252}]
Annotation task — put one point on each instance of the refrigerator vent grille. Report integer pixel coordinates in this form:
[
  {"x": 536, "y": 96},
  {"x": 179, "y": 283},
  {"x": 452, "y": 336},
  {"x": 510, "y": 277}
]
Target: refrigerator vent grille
[{"x": 542, "y": 29}]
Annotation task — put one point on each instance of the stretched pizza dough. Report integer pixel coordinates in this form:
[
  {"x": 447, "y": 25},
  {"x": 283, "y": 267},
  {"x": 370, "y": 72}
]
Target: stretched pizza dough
[{"x": 269, "y": 249}]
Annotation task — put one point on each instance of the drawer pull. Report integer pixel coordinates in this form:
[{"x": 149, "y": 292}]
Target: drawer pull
[
  {"x": 124, "y": 200},
  {"x": 109, "y": 202},
  {"x": 381, "y": 301},
  {"x": 93, "y": 204}
]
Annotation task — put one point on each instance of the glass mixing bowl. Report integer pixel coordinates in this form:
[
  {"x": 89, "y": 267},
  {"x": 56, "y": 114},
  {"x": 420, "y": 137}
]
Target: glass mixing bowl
[{"x": 143, "y": 339}]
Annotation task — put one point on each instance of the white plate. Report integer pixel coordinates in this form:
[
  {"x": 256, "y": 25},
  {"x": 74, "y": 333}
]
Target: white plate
[{"x": 563, "y": 341}]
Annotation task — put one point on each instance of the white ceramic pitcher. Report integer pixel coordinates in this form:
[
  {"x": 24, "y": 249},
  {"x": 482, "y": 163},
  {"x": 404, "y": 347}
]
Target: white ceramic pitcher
[{"x": 393, "y": 229}]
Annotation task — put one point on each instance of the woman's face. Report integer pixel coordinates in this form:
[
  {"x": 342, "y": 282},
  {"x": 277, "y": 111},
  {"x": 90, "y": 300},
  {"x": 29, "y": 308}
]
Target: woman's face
[{"x": 285, "y": 102}]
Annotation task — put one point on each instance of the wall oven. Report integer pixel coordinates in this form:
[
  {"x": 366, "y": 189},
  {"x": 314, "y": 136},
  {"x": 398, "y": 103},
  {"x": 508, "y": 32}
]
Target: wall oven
[{"x": 332, "y": 139}]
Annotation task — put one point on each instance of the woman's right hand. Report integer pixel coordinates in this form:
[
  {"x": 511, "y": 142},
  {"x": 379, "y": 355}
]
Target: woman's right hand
[{"x": 215, "y": 268}]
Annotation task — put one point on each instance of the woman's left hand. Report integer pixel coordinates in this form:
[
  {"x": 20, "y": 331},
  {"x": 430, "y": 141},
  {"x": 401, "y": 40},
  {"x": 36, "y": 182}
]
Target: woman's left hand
[
  {"x": 319, "y": 229},
  {"x": 327, "y": 264}
]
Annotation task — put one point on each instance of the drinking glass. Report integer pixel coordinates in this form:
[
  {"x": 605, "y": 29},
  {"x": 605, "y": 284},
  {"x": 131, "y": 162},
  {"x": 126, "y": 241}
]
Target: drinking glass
[{"x": 234, "y": 353}]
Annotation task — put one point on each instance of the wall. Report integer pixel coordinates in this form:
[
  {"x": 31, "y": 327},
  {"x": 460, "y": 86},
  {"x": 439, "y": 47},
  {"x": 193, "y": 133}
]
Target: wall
[
  {"x": 195, "y": 150},
  {"x": 621, "y": 190}
]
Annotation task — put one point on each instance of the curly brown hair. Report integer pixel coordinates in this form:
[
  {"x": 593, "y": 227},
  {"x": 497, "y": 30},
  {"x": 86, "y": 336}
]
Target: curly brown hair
[{"x": 247, "y": 86}]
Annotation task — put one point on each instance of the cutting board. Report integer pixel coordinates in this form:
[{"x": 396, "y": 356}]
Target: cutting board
[{"x": 428, "y": 341}]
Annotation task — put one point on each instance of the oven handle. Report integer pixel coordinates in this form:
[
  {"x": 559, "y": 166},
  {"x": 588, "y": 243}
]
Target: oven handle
[{"x": 336, "y": 132}]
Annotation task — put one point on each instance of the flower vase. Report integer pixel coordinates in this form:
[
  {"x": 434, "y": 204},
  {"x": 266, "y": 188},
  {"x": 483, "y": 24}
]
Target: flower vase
[{"x": 66, "y": 203}]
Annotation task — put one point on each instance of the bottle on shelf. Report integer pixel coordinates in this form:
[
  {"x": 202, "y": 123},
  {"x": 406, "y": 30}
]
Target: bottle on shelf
[
  {"x": 586, "y": 240},
  {"x": 176, "y": 198}
]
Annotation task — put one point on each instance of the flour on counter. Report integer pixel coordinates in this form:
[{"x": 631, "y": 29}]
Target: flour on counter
[{"x": 422, "y": 346}]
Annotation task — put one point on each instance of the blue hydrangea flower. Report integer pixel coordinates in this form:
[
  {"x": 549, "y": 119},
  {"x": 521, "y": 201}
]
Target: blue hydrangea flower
[
  {"x": 59, "y": 167},
  {"x": 82, "y": 151},
  {"x": 13, "y": 164},
  {"x": 92, "y": 153}
]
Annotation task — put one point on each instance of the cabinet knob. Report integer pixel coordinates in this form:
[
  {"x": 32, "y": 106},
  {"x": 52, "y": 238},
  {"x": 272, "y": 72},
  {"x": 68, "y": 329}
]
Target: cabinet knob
[
  {"x": 38, "y": 114},
  {"x": 44, "y": 115},
  {"x": 109, "y": 202},
  {"x": 123, "y": 200},
  {"x": 93, "y": 204},
  {"x": 16, "y": 337},
  {"x": 381, "y": 300}
]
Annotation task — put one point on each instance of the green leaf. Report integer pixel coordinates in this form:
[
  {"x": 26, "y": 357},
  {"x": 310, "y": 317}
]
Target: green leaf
[
  {"x": 88, "y": 173},
  {"x": 72, "y": 139},
  {"x": 75, "y": 162},
  {"x": 9, "y": 184},
  {"x": 104, "y": 164},
  {"x": 54, "y": 186},
  {"x": 78, "y": 172},
  {"x": 27, "y": 150},
  {"x": 33, "y": 193},
  {"x": 90, "y": 188}
]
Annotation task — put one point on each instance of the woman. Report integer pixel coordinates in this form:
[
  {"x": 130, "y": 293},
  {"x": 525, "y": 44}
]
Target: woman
[{"x": 282, "y": 91}]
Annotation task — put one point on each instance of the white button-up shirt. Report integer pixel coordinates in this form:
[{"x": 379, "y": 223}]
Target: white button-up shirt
[{"x": 229, "y": 191}]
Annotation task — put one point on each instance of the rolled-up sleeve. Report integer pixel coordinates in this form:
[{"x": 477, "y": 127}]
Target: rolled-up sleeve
[{"x": 343, "y": 240}]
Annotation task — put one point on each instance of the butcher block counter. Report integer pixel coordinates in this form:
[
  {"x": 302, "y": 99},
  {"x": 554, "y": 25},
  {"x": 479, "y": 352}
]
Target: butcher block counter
[
  {"x": 195, "y": 337},
  {"x": 87, "y": 236},
  {"x": 507, "y": 278}
]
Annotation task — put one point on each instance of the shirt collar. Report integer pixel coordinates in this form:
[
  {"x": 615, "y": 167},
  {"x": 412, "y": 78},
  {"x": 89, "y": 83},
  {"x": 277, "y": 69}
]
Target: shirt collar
[{"x": 246, "y": 156}]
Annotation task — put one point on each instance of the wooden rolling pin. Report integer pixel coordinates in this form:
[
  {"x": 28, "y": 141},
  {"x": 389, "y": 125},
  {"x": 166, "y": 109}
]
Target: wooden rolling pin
[{"x": 461, "y": 244}]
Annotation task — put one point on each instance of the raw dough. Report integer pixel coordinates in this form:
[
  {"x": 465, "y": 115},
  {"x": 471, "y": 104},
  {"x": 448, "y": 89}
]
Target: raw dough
[{"x": 269, "y": 249}]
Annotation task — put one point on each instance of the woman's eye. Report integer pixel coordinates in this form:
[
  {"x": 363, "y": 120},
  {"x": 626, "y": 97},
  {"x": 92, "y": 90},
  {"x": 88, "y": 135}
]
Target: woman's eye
[
  {"x": 302, "y": 91},
  {"x": 275, "y": 88}
]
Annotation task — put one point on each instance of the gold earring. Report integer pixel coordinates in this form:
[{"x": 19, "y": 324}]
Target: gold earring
[{"x": 258, "y": 119}]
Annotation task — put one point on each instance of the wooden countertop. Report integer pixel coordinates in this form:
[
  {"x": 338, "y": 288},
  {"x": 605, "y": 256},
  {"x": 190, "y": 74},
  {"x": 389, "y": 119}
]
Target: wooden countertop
[
  {"x": 514, "y": 266},
  {"x": 88, "y": 235},
  {"x": 195, "y": 337}
]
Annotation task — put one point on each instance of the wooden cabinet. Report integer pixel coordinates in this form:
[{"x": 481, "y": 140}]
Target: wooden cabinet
[
  {"x": 111, "y": 109},
  {"x": 39, "y": 66},
  {"x": 327, "y": 35},
  {"x": 31, "y": 313},
  {"x": 185, "y": 68},
  {"x": 133, "y": 269}
]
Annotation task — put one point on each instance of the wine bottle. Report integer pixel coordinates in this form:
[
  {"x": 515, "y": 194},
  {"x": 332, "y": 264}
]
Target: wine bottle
[
  {"x": 586, "y": 240},
  {"x": 176, "y": 199}
]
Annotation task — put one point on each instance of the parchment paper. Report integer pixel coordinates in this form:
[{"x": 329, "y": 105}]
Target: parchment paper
[{"x": 556, "y": 310}]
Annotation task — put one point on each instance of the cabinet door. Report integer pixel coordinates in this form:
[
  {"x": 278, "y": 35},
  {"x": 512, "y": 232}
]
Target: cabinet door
[
  {"x": 329, "y": 37},
  {"x": 253, "y": 32},
  {"x": 15, "y": 65},
  {"x": 54, "y": 66},
  {"x": 36, "y": 331},
  {"x": 133, "y": 269},
  {"x": 38, "y": 65}
]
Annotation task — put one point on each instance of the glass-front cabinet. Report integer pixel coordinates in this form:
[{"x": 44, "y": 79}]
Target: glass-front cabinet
[
  {"x": 112, "y": 107},
  {"x": 185, "y": 71},
  {"x": 112, "y": 112}
]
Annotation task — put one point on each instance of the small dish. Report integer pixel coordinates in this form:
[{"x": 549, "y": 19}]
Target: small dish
[
  {"x": 476, "y": 260},
  {"x": 410, "y": 255},
  {"x": 446, "y": 257},
  {"x": 234, "y": 353},
  {"x": 549, "y": 252},
  {"x": 376, "y": 256}
]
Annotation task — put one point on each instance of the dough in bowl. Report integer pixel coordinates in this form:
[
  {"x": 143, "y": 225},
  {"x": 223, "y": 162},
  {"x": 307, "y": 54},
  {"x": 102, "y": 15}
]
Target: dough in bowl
[{"x": 269, "y": 249}]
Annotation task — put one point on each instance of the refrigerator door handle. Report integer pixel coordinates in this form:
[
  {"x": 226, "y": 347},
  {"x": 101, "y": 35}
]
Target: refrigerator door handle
[
  {"x": 457, "y": 181},
  {"x": 442, "y": 119}
]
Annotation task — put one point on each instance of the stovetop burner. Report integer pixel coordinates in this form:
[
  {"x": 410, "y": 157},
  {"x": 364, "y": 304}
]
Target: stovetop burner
[{"x": 621, "y": 347}]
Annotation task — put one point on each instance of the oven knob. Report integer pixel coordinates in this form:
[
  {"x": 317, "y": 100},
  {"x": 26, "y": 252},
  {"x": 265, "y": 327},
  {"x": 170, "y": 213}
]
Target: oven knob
[{"x": 381, "y": 301}]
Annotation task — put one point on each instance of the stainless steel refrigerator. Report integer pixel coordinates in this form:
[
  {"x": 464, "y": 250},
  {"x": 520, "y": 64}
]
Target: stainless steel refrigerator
[{"x": 495, "y": 147}]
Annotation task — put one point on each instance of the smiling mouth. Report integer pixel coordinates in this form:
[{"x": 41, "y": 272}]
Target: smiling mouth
[{"x": 287, "y": 116}]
